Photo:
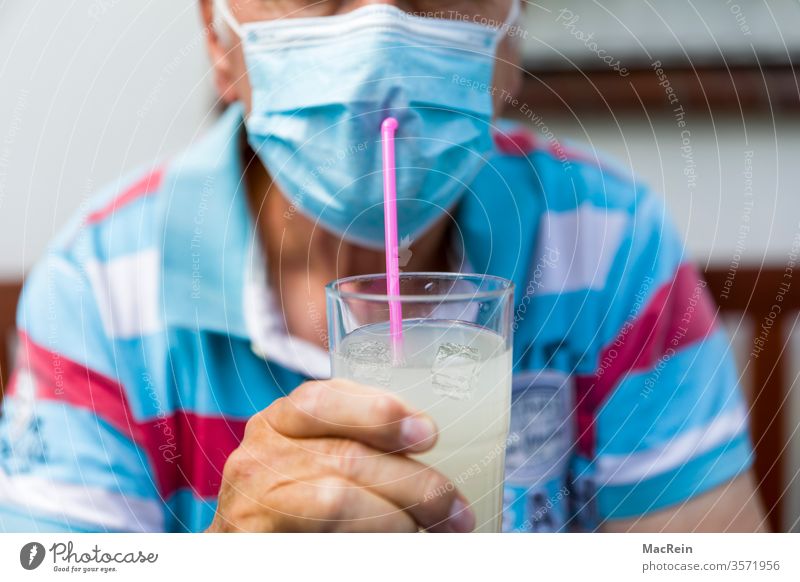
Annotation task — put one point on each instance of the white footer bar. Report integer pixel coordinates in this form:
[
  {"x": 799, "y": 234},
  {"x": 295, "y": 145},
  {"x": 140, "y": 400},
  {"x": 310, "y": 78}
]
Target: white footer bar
[{"x": 379, "y": 558}]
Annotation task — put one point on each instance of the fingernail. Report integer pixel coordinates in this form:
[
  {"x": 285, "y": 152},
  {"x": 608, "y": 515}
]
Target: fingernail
[
  {"x": 416, "y": 431},
  {"x": 461, "y": 519}
]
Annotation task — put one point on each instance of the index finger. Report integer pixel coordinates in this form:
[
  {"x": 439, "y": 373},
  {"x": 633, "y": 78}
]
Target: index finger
[{"x": 341, "y": 408}]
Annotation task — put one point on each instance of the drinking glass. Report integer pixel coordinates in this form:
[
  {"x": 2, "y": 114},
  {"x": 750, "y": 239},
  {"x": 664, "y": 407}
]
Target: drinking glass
[{"x": 453, "y": 361}]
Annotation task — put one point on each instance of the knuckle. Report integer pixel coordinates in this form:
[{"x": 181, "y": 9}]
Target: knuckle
[
  {"x": 256, "y": 423},
  {"x": 330, "y": 496},
  {"x": 386, "y": 410},
  {"x": 437, "y": 490},
  {"x": 349, "y": 456},
  {"x": 309, "y": 398},
  {"x": 237, "y": 465}
]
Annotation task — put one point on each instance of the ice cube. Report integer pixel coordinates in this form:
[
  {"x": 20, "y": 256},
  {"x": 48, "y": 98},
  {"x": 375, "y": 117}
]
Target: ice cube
[
  {"x": 454, "y": 371},
  {"x": 368, "y": 352},
  {"x": 369, "y": 362}
]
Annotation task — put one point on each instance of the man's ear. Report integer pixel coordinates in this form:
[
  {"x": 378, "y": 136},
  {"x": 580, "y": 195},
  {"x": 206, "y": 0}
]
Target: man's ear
[{"x": 220, "y": 49}]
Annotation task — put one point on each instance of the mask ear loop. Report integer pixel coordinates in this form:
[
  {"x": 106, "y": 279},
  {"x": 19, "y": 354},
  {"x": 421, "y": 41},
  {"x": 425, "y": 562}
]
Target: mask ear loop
[
  {"x": 223, "y": 16},
  {"x": 511, "y": 21},
  {"x": 513, "y": 13}
]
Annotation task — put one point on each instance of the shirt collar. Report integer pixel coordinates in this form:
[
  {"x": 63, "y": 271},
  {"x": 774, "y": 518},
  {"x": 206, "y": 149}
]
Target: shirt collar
[{"x": 213, "y": 266}]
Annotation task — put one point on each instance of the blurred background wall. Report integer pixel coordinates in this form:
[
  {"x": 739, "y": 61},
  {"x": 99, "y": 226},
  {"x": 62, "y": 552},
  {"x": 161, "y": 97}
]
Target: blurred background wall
[{"x": 90, "y": 89}]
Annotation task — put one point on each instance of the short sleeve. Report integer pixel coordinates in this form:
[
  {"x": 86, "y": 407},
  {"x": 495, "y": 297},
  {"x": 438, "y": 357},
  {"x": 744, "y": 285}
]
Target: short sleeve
[
  {"x": 662, "y": 418},
  {"x": 67, "y": 460}
]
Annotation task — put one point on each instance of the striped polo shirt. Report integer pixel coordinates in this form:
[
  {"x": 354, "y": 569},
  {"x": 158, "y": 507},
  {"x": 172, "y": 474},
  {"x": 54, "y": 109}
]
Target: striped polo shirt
[{"x": 147, "y": 336}]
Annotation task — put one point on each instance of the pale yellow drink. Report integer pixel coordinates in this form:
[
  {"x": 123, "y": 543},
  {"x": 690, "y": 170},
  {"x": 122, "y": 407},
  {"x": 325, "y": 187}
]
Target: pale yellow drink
[{"x": 458, "y": 373}]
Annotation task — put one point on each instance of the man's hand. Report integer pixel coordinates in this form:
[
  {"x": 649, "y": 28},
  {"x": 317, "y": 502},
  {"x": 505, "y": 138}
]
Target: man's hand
[{"x": 331, "y": 457}]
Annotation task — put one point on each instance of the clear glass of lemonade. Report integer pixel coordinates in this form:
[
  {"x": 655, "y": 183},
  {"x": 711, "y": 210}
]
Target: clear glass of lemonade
[{"x": 453, "y": 362}]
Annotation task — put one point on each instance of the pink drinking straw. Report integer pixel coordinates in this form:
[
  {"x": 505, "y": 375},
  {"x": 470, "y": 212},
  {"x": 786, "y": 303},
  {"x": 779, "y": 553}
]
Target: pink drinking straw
[{"x": 388, "y": 128}]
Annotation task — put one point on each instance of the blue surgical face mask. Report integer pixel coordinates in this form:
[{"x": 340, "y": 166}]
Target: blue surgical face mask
[{"x": 321, "y": 88}]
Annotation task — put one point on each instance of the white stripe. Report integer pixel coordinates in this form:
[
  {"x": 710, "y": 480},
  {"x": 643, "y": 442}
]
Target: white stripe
[
  {"x": 577, "y": 248},
  {"x": 126, "y": 291},
  {"x": 89, "y": 505},
  {"x": 636, "y": 467}
]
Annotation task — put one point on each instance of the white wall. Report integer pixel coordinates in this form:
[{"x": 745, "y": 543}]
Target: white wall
[
  {"x": 89, "y": 89},
  {"x": 670, "y": 30}
]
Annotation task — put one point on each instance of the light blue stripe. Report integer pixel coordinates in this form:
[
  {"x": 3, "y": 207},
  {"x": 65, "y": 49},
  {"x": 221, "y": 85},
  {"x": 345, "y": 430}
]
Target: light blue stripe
[
  {"x": 207, "y": 374},
  {"x": 79, "y": 448},
  {"x": 12, "y": 520},
  {"x": 691, "y": 479},
  {"x": 604, "y": 184},
  {"x": 187, "y": 513},
  {"x": 58, "y": 311},
  {"x": 130, "y": 229}
]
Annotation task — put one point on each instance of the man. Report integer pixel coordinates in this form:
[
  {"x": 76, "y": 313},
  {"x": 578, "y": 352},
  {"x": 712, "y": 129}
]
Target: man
[{"x": 172, "y": 364}]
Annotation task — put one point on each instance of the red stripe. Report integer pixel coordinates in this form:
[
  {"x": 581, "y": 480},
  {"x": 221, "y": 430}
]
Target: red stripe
[
  {"x": 185, "y": 449},
  {"x": 58, "y": 378},
  {"x": 679, "y": 314},
  {"x": 189, "y": 450},
  {"x": 147, "y": 185},
  {"x": 517, "y": 143},
  {"x": 522, "y": 142}
]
